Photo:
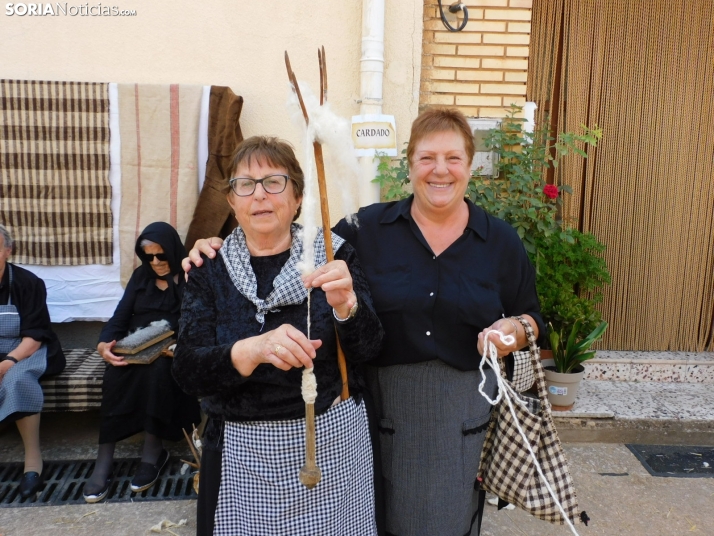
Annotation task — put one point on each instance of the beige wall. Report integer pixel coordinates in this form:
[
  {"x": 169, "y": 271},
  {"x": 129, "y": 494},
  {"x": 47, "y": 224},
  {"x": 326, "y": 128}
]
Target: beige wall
[
  {"x": 482, "y": 69},
  {"x": 225, "y": 42}
]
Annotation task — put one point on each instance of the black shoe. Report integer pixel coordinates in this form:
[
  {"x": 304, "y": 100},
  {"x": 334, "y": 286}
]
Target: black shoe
[
  {"x": 147, "y": 474},
  {"x": 30, "y": 483},
  {"x": 101, "y": 494}
]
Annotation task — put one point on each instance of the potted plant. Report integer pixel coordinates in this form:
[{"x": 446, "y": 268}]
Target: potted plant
[
  {"x": 564, "y": 376},
  {"x": 570, "y": 270}
]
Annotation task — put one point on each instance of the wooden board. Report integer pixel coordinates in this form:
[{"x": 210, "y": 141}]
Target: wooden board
[
  {"x": 131, "y": 351},
  {"x": 150, "y": 354}
]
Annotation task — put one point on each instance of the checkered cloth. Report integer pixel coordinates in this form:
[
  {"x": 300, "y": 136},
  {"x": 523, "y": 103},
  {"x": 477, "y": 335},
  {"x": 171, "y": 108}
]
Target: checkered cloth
[
  {"x": 55, "y": 194},
  {"x": 79, "y": 386},
  {"x": 508, "y": 469},
  {"x": 523, "y": 373},
  {"x": 261, "y": 493},
  {"x": 288, "y": 288}
]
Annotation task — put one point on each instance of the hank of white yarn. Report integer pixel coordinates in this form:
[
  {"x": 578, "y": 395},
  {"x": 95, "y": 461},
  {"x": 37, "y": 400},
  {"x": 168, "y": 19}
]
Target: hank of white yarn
[{"x": 309, "y": 386}]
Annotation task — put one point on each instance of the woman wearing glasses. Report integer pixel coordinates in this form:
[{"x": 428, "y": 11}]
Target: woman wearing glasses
[
  {"x": 143, "y": 398},
  {"x": 242, "y": 347}
]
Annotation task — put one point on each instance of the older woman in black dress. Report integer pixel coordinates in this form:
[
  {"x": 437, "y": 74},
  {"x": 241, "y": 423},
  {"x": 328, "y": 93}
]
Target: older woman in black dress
[
  {"x": 242, "y": 346},
  {"x": 143, "y": 398}
]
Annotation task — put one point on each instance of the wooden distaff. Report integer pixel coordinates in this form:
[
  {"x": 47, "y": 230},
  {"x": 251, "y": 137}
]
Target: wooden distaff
[{"x": 310, "y": 474}]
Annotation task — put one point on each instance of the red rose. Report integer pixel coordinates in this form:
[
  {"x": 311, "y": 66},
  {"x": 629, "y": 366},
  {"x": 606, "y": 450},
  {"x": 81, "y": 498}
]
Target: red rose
[{"x": 550, "y": 190}]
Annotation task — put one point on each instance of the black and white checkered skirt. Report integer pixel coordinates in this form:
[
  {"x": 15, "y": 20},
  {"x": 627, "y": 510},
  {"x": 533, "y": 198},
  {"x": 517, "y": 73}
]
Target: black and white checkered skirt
[{"x": 261, "y": 493}]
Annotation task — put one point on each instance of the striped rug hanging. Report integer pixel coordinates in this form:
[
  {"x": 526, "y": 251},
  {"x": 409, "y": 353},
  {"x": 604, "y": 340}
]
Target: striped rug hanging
[{"x": 54, "y": 171}]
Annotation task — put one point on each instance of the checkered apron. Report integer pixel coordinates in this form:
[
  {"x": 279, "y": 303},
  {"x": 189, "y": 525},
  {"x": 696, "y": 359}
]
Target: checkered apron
[
  {"x": 20, "y": 389},
  {"x": 261, "y": 494}
]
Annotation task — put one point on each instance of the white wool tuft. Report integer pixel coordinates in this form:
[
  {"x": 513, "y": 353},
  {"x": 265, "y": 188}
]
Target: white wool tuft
[
  {"x": 309, "y": 386},
  {"x": 334, "y": 133}
]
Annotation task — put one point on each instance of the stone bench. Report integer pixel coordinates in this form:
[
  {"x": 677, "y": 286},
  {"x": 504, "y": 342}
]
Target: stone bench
[{"x": 79, "y": 386}]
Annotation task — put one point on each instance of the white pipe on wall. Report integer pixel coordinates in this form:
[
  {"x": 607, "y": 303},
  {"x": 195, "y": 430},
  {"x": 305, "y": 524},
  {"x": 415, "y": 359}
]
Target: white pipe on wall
[{"x": 371, "y": 75}]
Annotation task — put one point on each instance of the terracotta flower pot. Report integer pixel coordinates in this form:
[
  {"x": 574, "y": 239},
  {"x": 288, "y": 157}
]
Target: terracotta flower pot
[{"x": 562, "y": 388}]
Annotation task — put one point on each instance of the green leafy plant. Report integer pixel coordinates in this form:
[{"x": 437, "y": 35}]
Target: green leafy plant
[
  {"x": 570, "y": 353},
  {"x": 570, "y": 275},
  {"x": 518, "y": 193},
  {"x": 392, "y": 176}
]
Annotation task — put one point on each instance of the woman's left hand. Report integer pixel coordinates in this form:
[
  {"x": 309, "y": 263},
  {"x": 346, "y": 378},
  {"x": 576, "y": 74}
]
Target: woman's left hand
[
  {"x": 4, "y": 367},
  {"x": 505, "y": 326},
  {"x": 335, "y": 280}
]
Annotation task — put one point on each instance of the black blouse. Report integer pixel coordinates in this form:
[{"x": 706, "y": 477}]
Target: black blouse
[
  {"x": 29, "y": 295},
  {"x": 434, "y": 307},
  {"x": 215, "y": 315}
]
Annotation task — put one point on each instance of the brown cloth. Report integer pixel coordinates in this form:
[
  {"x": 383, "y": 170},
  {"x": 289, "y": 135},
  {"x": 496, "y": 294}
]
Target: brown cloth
[
  {"x": 213, "y": 216},
  {"x": 55, "y": 194}
]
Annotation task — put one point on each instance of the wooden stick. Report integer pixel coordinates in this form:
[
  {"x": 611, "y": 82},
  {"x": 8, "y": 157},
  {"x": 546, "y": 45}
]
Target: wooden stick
[
  {"x": 310, "y": 473},
  {"x": 324, "y": 207},
  {"x": 324, "y": 71},
  {"x": 190, "y": 446}
]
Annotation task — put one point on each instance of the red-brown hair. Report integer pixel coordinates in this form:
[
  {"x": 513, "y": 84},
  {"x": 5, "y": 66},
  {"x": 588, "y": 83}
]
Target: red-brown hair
[
  {"x": 433, "y": 120},
  {"x": 274, "y": 151}
]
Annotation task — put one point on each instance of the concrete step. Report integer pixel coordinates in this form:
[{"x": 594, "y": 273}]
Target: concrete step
[
  {"x": 664, "y": 412},
  {"x": 677, "y": 367}
]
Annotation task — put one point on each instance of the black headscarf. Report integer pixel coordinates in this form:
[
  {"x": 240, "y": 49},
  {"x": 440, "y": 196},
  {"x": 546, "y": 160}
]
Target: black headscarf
[{"x": 166, "y": 236}]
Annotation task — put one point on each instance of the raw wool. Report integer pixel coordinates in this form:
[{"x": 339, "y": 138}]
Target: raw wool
[
  {"x": 309, "y": 211},
  {"x": 309, "y": 386},
  {"x": 334, "y": 133},
  {"x": 140, "y": 336}
]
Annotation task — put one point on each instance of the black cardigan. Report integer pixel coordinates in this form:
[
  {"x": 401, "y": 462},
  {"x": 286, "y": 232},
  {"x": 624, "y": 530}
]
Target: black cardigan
[
  {"x": 29, "y": 295},
  {"x": 215, "y": 315}
]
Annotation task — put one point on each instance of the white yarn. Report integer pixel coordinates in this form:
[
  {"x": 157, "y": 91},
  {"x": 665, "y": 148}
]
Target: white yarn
[
  {"x": 309, "y": 386},
  {"x": 505, "y": 391}
]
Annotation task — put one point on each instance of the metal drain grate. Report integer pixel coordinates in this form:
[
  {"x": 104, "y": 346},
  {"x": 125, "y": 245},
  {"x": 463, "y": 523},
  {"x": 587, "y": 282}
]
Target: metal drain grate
[
  {"x": 64, "y": 483},
  {"x": 675, "y": 461}
]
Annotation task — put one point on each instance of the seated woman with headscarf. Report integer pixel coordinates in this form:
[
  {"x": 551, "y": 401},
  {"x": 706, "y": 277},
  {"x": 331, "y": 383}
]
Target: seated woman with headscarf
[
  {"x": 29, "y": 349},
  {"x": 242, "y": 346},
  {"x": 143, "y": 398}
]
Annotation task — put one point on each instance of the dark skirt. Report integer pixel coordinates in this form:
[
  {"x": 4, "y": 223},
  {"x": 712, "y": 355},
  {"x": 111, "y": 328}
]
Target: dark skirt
[
  {"x": 432, "y": 427},
  {"x": 145, "y": 398}
]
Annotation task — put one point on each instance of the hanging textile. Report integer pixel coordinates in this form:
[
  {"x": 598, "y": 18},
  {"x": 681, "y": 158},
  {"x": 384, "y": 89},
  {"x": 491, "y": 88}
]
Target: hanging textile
[
  {"x": 159, "y": 139},
  {"x": 54, "y": 171},
  {"x": 643, "y": 71},
  {"x": 213, "y": 216}
]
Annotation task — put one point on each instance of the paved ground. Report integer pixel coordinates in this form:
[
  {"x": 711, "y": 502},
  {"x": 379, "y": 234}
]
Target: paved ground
[{"x": 635, "y": 504}]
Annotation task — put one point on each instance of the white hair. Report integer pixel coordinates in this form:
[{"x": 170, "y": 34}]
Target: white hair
[
  {"x": 6, "y": 236},
  {"x": 145, "y": 242}
]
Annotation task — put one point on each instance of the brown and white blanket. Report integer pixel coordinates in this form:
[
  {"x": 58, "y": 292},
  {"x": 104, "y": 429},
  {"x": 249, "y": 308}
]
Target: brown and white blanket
[{"x": 54, "y": 171}]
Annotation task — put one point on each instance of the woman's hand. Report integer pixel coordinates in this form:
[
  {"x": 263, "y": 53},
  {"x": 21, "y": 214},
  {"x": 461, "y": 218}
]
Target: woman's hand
[
  {"x": 207, "y": 246},
  {"x": 284, "y": 348},
  {"x": 507, "y": 326},
  {"x": 5, "y": 366},
  {"x": 105, "y": 350},
  {"x": 335, "y": 280}
]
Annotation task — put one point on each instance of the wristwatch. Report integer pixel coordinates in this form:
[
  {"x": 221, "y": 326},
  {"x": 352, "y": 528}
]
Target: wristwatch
[{"x": 350, "y": 315}]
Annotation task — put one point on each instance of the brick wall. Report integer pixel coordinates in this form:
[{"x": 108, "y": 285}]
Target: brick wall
[{"x": 482, "y": 69}]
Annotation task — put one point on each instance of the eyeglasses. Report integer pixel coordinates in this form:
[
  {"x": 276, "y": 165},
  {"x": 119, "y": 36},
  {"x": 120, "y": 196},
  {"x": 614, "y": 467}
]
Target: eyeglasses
[
  {"x": 272, "y": 184},
  {"x": 161, "y": 256}
]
